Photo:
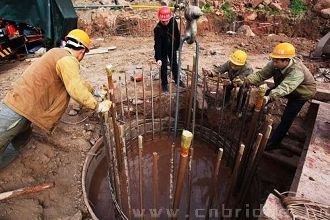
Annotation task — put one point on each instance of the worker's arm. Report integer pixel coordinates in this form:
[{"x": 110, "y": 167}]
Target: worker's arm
[
  {"x": 288, "y": 85},
  {"x": 247, "y": 70},
  {"x": 177, "y": 37},
  {"x": 68, "y": 70},
  {"x": 89, "y": 86},
  {"x": 158, "y": 43},
  {"x": 222, "y": 68},
  {"x": 261, "y": 75}
]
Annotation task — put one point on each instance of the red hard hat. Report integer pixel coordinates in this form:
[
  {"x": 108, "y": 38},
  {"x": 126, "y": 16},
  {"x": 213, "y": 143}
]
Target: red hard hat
[{"x": 164, "y": 13}]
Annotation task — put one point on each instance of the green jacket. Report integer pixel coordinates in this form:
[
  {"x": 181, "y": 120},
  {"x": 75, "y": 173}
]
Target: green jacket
[
  {"x": 294, "y": 82},
  {"x": 232, "y": 74}
]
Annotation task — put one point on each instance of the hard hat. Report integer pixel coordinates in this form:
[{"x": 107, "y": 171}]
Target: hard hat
[
  {"x": 283, "y": 50},
  {"x": 164, "y": 13},
  {"x": 80, "y": 36},
  {"x": 238, "y": 57}
]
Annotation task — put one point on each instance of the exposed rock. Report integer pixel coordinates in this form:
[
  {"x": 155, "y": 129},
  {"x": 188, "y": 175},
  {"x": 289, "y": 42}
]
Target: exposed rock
[
  {"x": 252, "y": 16},
  {"x": 321, "y": 4},
  {"x": 276, "y": 6},
  {"x": 267, "y": 2},
  {"x": 255, "y": 3},
  {"x": 325, "y": 13},
  {"x": 245, "y": 30},
  {"x": 72, "y": 112}
]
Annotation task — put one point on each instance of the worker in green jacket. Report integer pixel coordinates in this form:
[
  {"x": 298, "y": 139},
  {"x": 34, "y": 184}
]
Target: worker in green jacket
[{"x": 292, "y": 80}]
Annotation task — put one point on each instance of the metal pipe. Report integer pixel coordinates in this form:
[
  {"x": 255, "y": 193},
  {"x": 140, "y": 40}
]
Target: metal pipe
[
  {"x": 144, "y": 104},
  {"x": 152, "y": 104},
  {"x": 195, "y": 89},
  {"x": 187, "y": 137},
  {"x": 214, "y": 183},
  {"x": 154, "y": 180},
  {"x": 191, "y": 96},
  {"x": 140, "y": 139},
  {"x": 177, "y": 93},
  {"x": 126, "y": 168},
  {"x": 136, "y": 107}
]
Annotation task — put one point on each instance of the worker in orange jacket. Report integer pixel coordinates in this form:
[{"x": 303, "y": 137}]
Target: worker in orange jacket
[{"x": 41, "y": 95}]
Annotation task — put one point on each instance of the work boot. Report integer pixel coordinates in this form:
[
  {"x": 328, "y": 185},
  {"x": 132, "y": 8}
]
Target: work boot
[
  {"x": 22, "y": 139},
  {"x": 165, "y": 88},
  {"x": 8, "y": 155}
]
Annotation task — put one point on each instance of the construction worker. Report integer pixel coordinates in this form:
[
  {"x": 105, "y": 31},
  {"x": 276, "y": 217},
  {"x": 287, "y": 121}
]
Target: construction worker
[
  {"x": 41, "y": 95},
  {"x": 167, "y": 42},
  {"x": 292, "y": 80},
  {"x": 237, "y": 69}
]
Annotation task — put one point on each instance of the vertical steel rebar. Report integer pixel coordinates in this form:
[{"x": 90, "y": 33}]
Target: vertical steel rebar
[
  {"x": 136, "y": 107},
  {"x": 128, "y": 110},
  {"x": 121, "y": 99},
  {"x": 144, "y": 104},
  {"x": 191, "y": 155},
  {"x": 159, "y": 109},
  {"x": 152, "y": 104},
  {"x": 204, "y": 87},
  {"x": 126, "y": 168},
  {"x": 140, "y": 140},
  {"x": 155, "y": 181},
  {"x": 234, "y": 174},
  {"x": 214, "y": 185}
]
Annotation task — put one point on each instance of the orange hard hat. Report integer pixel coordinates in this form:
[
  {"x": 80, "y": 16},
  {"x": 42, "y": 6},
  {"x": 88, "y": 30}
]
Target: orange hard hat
[{"x": 164, "y": 13}]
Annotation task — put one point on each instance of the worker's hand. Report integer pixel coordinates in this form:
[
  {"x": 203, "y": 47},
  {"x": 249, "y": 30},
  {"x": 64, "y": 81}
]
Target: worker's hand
[
  {"x": 101, "y": 91},
  {"x": 207, "y": 72},
  {"x": 226, "y": 82},
  {"x": 247, "y": 81},
  {"x": 159, "y": 63},
  {"x": 104, "y": 106},
  {"x": 237, "y": 82}
]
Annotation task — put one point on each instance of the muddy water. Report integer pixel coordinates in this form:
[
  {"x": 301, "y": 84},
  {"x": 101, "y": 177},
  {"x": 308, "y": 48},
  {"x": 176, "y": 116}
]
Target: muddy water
[{"x": 202, "y": 168}]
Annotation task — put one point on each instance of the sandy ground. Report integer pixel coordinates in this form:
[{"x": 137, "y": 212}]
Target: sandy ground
[{"x": 59, "y": 157}]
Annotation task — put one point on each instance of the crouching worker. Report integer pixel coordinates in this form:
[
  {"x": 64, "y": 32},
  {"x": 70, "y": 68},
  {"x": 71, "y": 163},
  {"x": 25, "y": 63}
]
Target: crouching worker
[
  {"x": 292, "y": 80},
  {"x": 41, "y": 95},
  {"x": 234, "y": 71}
]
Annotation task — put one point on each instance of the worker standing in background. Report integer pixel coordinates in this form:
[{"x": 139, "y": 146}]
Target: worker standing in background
[
  {"x": 41, "y": 95},
  {"x": 233, "y": 71},
  {"x": 167, "y": 43},
  {"x": 292, "y": 80}
]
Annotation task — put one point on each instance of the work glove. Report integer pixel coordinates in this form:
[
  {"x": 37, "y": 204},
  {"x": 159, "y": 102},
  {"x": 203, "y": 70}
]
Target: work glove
[
  {"x": 104, "y": 106},
  {"x": 100, "y": 92},
  {"x": 237, "y": 82},
  {"x": 159, "y": 63},
  {"x": 266, "y": 100}
]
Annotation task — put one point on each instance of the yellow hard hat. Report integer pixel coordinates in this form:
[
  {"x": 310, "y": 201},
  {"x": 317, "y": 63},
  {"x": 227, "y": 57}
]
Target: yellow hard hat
[
  {"x": 283, "y": 50},
  {"x": 238, "y": 57},
  {"x": 80, "y": 36}
]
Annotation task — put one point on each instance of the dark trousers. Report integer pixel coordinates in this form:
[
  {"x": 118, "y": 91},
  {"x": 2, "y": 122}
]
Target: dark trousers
[
  {"x": 291, "y": 110},
  {"x": 174, "y": 65}
]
